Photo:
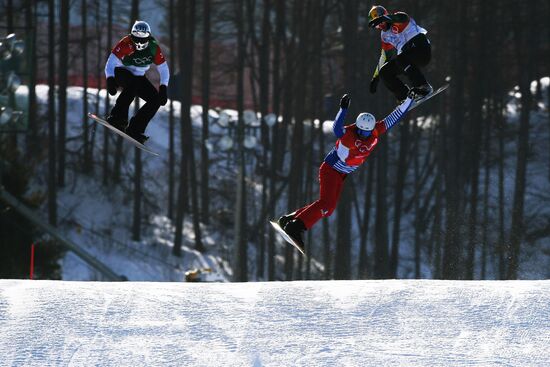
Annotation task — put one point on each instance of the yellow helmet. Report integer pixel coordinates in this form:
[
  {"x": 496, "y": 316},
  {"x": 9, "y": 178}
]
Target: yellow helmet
[{"x": 377, "y": 11}]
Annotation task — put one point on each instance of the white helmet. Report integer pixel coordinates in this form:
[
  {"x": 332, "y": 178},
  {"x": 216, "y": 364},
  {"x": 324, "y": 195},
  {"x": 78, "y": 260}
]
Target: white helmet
[
  {"x": 365, "y": 121},
  {"x": 140, "y": 34}
]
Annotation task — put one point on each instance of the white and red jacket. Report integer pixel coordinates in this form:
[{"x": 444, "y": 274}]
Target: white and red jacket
[
  {"x": 351, "y": 149},
  {"x": 400, "y": 33},
  {"x": 125, "y": 55}
]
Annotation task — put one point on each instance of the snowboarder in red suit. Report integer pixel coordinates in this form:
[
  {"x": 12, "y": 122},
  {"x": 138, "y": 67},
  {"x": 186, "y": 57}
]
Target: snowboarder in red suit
[
  {"x": 129, "y": 60},
  {"x": 355, "y": 143},
  {"x": 405, "y": 49}
]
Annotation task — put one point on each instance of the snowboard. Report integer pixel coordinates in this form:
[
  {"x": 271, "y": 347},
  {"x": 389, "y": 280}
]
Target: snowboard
[
  {"x": 287, "y": 238},
  {"x": 429, "y": 96},
  {"x": 124, "y": 135}
]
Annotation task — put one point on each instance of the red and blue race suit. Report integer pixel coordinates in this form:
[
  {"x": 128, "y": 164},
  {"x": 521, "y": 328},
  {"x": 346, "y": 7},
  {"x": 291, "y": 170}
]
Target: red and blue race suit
[{"x": 349, "y": 152}]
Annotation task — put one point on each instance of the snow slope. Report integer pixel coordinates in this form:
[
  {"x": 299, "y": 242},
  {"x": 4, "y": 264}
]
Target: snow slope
[{"x": 337, "y": 323}]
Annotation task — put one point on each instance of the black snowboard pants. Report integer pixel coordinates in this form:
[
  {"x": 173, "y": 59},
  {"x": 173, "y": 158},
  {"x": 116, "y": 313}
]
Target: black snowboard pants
[
  {"x": 415, "y": 54},
  {"x": 133, "y": 86}
]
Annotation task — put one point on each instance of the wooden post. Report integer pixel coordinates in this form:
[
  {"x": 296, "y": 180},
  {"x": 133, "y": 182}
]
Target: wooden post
[{"x": 32, "y": 261}]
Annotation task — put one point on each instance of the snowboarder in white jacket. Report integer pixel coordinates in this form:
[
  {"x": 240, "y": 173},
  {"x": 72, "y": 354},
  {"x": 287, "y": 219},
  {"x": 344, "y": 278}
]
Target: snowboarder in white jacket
[{"x": 405, "y": 49}]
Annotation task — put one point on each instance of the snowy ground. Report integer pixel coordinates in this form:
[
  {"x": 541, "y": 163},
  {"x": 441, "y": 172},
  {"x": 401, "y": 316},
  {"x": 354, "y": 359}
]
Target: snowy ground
[{"x": 344, "y": 323}]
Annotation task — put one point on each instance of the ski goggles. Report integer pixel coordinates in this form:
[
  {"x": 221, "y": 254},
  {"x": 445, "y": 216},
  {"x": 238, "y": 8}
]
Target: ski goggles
[
  {"x": 363, "y": 133},
  {"x": 140, "y": 41}
]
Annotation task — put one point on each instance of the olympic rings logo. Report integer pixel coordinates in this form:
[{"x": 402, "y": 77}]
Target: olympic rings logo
[
  {"x": 143, "y": 60},
  {"x": 362, "y": 147}
]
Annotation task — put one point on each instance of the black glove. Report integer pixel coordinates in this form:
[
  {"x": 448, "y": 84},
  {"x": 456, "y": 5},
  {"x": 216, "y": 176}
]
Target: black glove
[
  {"x": 163, "y": 95},
  {"x": 384, "y": 18},
  {"x": 344, "y": 101},
  {"x": 373, "y": 84},
  {"x": 111, "y": 85}
]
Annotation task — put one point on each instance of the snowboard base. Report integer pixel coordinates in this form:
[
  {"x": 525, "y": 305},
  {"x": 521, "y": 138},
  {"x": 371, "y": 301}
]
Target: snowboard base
[
  {"x": 124, "y": 135},
  {"x": 287, "y": 238},
  {"x": 429, "y": 96}
]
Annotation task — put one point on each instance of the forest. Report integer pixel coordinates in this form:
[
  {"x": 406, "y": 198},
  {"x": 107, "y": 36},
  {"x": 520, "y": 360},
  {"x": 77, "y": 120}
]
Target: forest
[{"x": 458, "y": 190}]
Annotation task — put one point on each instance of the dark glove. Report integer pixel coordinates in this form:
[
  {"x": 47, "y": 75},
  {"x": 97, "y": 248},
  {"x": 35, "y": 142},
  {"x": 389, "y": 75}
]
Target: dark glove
[
  {"x": 384, "y": 18},
  {"x": 344, "y": 101},
  {"x": 111, "y": 85},
  {"x": 373, "y": 84},
  {"x": 163, "y": 95}
]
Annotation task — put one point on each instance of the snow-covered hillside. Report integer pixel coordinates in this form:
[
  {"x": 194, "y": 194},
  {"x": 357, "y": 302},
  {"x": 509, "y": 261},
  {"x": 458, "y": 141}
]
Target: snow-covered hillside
[
  {"x": 338, "y": 323},
  {"x": 100, "y": 218}
]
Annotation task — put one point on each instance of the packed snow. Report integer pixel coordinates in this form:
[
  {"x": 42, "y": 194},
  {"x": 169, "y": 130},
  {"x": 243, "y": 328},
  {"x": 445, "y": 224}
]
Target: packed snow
[{"x": 334, "y": 323}]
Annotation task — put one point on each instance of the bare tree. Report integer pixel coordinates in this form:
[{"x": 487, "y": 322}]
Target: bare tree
[
  {"x": 205, "y": 204},
  {"x": 451, "y": 255},
  {"x": 517, "y": 229},
  {"x": 52, "y": 187},
  {"x": 187, "y": 166},
  {"x": 171, "y": 119},
  {"x": 107, "y": 99},
  {"x": 362, "y": 272},
  {"x": 240, "y": 260},
  {"x": 30, "y": 20},
  {"x": 342, "y": 258},
  {"x": 136, "y": 217},
  {"x": 84, "y": 45},
  {"x": 136, "y": 213},
  {"x": 401, "y": 172},
  {"x": 381, "y": 264},
  {"x": 475, "y": 132},
  {"x": 276, "y": 151},
  {"x": 63, "y": 83}
]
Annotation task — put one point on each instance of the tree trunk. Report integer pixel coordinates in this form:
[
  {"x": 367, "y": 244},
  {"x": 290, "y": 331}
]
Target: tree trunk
[
  {"x": 342, "y": 260},
  {"x": 399, "y": 187},
  {"x": 295, "y": 88},
  {"x": 487, "y": 166},
  {"x": 342, "y": 256},
  {"x": 475, "y": 131},
  {"x": 9, "y": 16},
  {"x": 84, "y": 45},
  {"x": 417, "y": 211},
  {"x": 63, "y": 81},
  {"x": 205, "y": 204},
  {"x": 501, "y": 235},
  {"x": 188, "y": 127},
  {"x": 32, "y": 137},
  {"x": 381, "y": 264},
  {"x": 187, "y": 166},
  {"x": 107, "y": 99},
  {"x": 276, "y": 151},
  {"x": 99, "y": 72},
  {"x": 136, "y": 216},
  {"x": 52, "y": 156},
  {"x": 438, "y": 214},
  {"x": 453, "y": 182},
  {"x": 171, "y": 119},
  {"x": 240, "y": 261},
  {"x": 264, "y": 53},
  {"x": 136, "y": 222},
  {"x": 517, "y": 230},
  {"x": 362, "y": 272}
]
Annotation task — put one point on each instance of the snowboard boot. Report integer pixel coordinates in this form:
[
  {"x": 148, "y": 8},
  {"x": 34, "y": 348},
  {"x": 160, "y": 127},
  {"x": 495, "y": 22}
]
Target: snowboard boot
[
  {"x": 118, "y": 123},
  {"x": 139, "y": 137},
  {"x": 285, "y": 219},
  {"x": 294, "y": 229},
  {"x": 417, "y": 93}
]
